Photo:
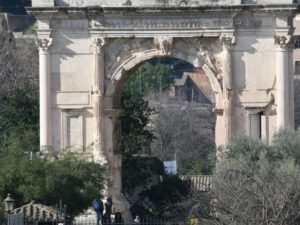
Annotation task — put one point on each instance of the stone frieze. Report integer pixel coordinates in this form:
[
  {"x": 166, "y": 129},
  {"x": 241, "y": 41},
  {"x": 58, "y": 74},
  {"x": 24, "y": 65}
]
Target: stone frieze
[{"x": 171, "y": 23}]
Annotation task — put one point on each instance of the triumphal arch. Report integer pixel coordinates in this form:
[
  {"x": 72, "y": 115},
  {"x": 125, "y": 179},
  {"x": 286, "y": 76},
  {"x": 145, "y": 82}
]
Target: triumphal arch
[{"x": 88, "y": 48}]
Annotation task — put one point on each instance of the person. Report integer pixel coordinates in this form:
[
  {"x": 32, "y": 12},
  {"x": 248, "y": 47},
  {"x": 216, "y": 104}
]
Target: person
[
  {"x": 98, "y": 208},
  {"x": 136, "y": 220},
  {"x": 118, "y": 218},
  {"x": 108, "y": 211}
]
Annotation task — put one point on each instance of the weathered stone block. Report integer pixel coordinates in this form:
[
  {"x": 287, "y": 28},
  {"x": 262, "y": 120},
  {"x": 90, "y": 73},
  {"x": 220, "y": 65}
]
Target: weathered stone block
[{"x": 42, "y": 3}]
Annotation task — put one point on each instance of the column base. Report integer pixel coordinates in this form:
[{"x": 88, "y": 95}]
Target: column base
[{"x": 120, "y": 204}]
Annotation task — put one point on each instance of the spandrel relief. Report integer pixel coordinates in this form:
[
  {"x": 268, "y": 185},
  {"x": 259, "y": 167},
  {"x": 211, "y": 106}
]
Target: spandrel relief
[{"x": 118, "y": 50}]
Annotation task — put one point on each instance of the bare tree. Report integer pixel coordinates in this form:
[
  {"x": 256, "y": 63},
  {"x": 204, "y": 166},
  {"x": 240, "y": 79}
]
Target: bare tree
[
  {"x": 184, "y": 130},
  {"x": 257, "y": 184},
  {"x": 18, "y": 62}
]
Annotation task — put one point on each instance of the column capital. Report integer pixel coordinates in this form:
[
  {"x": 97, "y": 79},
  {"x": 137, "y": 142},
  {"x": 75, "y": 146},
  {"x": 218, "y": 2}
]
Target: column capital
[
  {"x": 43, "y": 44},
  {"x": 284, "y": 41},
  {"x": 97, "y": 44},
  {"x": 227, "y": 41}
]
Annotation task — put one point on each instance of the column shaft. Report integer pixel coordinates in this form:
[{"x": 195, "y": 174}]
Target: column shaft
[
  {"x": 227, "y": 42},
  {"x": 45, "y": 97},
  {"x": 283, "y": 83},
  {"x": 98, "y": 106}
]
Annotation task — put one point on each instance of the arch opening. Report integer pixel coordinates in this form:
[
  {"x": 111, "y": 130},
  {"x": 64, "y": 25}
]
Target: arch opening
[{"x": 177, "y": 100}]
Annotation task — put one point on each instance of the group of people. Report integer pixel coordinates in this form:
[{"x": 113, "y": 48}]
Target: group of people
[
  {"x": 105, "y": 218},
  {"x": 99, "y": 207}
]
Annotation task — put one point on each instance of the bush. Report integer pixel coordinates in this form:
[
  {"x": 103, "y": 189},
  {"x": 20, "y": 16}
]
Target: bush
[{"x": 259, "y": 183}]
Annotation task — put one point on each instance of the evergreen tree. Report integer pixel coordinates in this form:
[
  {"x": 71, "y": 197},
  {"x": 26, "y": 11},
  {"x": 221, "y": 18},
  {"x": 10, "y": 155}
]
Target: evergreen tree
[{"x": 136, "y": 111}]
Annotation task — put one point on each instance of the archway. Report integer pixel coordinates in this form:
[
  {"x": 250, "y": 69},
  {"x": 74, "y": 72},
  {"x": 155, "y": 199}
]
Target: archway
[
  {"x": 87, "y": 50},
  {"x": 205, "y": 53}
]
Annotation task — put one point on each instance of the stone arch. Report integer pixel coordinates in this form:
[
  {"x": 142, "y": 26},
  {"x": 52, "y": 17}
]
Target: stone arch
[{"x": 123, "y": 71}]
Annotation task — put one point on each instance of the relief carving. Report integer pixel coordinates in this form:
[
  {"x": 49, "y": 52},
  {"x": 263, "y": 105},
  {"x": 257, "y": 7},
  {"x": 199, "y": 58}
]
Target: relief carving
[
  {"x": 118, "y": 50},
  {"x": 208, "y": 58},
  {"x": 159, "y": 23},
  {"x": 163, "y": 45},
  {"x": 248, "y": 23}
]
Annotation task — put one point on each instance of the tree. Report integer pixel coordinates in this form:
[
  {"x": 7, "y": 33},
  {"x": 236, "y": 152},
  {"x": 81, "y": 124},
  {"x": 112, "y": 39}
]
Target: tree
[
  {"x": 136, "y": 134},
  {"x": 258, "y": 183},
  {"x": 134, "y": 121},
  {"x": 75, "y": 182},
  {"x": 19, "y": 117},
  {"x": 18, "y": 63},
  {"x": 183, "y": 130},
  {"x": 150, "y": 78}
]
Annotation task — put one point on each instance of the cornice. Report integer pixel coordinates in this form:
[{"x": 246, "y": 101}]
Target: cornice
[{"x": 164, "y": 10}]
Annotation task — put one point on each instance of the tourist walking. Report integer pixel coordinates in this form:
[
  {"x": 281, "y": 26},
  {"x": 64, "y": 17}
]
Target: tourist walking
[{"x": 98, "y": 208}]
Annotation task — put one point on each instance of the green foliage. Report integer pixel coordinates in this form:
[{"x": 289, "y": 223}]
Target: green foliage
[
  {"x": 262, "y": 180},
  {"x": 134, "y": 121},
  {"x": 168, "y": 192},
  {"x": 201, "y": 168},
  {"x": 140, "y": 171},
  {"x": 75, "y": 182},
  {"x": 19, "y": 117},
  {"x": 150, "y": 78},
  {"x": 136, "y": 111}
]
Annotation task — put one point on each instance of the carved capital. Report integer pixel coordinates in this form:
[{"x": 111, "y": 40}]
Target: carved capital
[
  {"x": 43, "y": 44},
  {"x": 227, "y": 41},
  {"x": 97, "y": 44},
  {"x": 283, "y": 41},
  {"x": 164, "y": 45}
]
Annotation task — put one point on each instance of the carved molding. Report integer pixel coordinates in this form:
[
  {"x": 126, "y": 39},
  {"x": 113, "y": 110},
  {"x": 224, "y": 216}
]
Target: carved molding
[
  {"x": 158, "y": 23},
  {"x": 283, "y": 41},
  {"x": 43, "y": 44},
  {"x": 97, "y": 44},
  {"x": 163, "y": 45}
]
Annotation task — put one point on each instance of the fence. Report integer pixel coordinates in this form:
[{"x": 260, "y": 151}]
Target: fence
[
  {"x": 143, "y": 222},
  {"x": 199, "y": 182}
]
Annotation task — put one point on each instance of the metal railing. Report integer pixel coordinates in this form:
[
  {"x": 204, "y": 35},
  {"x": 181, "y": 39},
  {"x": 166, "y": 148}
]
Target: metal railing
[{"x": 142, "y": 222}]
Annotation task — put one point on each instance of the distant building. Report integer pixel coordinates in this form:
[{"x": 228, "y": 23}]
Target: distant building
[{"x": 195, "y": 87}]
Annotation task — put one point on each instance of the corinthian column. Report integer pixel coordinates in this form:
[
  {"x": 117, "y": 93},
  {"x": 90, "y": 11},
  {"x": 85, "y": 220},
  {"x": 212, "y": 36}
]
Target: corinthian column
[
  {"x": 98, "y": 96},
  {"x": 227, "y": 43},
  {"x": 45, "y": 95},
  {"x": 283, "y": 81}
]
